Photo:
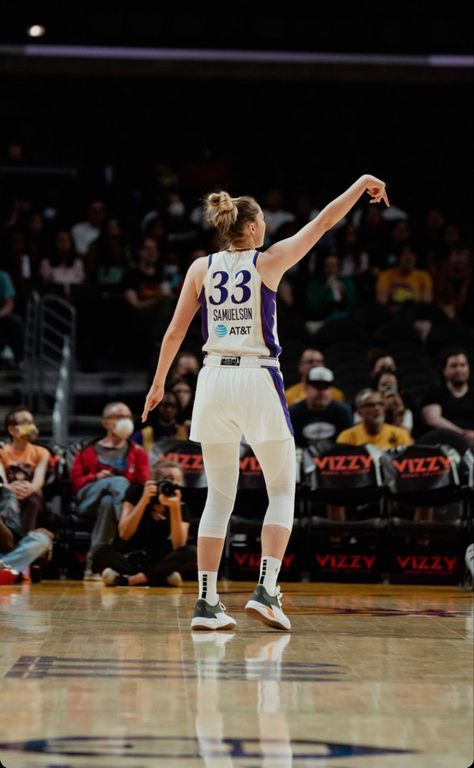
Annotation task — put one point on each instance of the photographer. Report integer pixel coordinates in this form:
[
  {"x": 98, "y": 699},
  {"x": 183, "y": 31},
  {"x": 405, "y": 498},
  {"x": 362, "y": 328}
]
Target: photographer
[{"x": 153, "y": 530}]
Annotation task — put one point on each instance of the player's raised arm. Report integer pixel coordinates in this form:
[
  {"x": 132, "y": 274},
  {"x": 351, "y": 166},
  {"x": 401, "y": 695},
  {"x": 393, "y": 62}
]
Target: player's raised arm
[{"x": 285, "y": 253}]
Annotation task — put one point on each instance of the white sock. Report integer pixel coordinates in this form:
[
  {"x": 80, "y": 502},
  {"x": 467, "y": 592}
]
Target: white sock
[
  {"x": 208, "y": 586},
  {"x": 269, "y": 570}
]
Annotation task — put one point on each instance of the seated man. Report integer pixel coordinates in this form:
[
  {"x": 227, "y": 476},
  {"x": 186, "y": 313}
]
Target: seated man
[
  {"x": 152, "y": 545},
  {"x": 309, "y": 358},
  {"x": 101, "y": 473},
  {"x": 451, "y": 405},
  {"x": 318, "y": 416},
  {"x": 24, "y": 465},
  {"x": 374, "y": 430},
  {"x": 17, "y": 550}
]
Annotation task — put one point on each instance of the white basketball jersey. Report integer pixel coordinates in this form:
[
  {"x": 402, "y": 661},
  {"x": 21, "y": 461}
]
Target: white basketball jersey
[{"x": 238, "y": 311}]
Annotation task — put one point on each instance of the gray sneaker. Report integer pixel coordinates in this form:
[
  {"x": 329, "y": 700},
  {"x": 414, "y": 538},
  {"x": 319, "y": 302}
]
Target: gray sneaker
[
  {"x": 211, "y": 616},
  {"x": 267, "y": 608}
]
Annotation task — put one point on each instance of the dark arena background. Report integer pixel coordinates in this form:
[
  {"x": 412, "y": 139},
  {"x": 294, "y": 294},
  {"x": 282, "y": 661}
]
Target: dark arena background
[{"x": 116, "y": 121}]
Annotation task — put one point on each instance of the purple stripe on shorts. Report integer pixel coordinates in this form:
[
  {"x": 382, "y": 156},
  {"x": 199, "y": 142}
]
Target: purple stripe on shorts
[
  {"x": 278, "y": 382},
  {"x": 268, "y": 317},
  {"x": 204, "y": 327}
]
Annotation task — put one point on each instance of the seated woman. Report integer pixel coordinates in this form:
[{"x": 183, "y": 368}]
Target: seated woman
[
  {"x": 64, "y": 269},
  {"x": 152, "y": 545}
]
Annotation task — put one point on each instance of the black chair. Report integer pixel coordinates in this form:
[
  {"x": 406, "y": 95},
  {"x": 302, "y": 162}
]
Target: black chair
[
  {"x": 439, "y": 478},
  {"x": 350, "y": 477},
  {"x": 74, "y": 531},
  {"x": 242, "y": 546},
  {"x": 423, "y": 476}
]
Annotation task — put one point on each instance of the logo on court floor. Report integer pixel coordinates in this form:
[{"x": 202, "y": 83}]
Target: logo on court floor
[
  {"x": 38, "y": 667},
  {"x": 176, "y": 748}
]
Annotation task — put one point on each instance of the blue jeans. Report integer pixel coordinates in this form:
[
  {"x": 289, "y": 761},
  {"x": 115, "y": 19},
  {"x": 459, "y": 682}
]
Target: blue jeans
[
  {"x": 102, "y": 499},
  {"x": 10, "y": 511},
  {"x": 35, "y": 544}
]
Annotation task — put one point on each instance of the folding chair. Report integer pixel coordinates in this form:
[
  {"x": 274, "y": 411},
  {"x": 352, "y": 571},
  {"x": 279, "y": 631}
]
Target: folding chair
[
  {"x": 435, "y": 477},
  {"x": 350, "y": 477}
]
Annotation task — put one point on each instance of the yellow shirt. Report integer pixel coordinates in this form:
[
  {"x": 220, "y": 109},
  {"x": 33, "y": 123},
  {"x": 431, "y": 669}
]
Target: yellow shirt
[
  {"x": 297, "y": 392},
  {"x": 388, "y": 437},
  {"x": 400, "y": 287}
]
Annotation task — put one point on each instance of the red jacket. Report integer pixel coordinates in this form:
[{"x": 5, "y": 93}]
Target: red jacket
[{"x": 86, "y": 465}]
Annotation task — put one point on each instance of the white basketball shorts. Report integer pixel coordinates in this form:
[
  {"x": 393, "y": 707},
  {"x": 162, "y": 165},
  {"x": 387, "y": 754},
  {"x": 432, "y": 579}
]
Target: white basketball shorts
[{"x": 231, "y": 402}]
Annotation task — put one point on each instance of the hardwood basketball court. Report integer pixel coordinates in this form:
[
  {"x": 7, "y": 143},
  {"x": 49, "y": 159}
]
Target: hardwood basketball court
[{"x": 371, "y": 676}]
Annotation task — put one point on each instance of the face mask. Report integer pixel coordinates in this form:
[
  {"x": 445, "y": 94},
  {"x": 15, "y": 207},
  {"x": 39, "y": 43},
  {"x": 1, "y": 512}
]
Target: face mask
[
  {"x": 176, "y": 209},
  {"x": 123, "y": 428},
  {"x": 28, "y": 431}
]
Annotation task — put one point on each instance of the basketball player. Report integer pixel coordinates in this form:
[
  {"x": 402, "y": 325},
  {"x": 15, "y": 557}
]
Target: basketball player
[{"x": 240, "y": 388}]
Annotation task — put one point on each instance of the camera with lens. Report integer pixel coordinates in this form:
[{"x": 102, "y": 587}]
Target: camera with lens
[{"x": 167, "y": 487}]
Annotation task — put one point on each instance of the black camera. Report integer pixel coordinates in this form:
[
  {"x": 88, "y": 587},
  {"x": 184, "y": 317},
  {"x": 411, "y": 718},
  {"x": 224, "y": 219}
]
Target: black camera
[{"x": 167, "y": 487}]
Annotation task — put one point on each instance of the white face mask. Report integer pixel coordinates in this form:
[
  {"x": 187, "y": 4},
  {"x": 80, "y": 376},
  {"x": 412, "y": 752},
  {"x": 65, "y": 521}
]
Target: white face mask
[{"x": 123, "y": 428}]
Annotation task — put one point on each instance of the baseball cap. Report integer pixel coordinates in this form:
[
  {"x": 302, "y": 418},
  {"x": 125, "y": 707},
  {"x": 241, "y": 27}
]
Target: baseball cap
[{"x": 320, "y": 375}]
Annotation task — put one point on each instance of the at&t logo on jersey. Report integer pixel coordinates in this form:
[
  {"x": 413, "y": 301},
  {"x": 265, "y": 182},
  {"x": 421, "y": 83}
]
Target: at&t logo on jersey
[{"x": 221, "y": 330}]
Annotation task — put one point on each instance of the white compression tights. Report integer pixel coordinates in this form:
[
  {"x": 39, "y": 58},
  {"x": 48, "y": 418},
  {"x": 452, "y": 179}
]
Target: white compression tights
[{"x": 221, "y": 462}]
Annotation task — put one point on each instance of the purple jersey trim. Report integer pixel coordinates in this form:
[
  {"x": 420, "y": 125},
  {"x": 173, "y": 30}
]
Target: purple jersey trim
[
  {"x": 204, "y": 326},
  {"x": 277, "y": 379},
  {"x": 257, "y": 254},
  {"x": 268, "y": 312},
  {"x": 209, "y": 260}
]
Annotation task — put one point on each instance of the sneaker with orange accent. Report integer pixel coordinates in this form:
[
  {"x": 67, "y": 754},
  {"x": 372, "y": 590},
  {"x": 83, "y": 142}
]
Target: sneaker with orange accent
[{"x": 267, "y": 608}]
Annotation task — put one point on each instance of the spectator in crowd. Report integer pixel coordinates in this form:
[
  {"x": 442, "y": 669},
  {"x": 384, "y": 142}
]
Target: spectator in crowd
[
  {"x": 153, "y": 532},
  {"x": 18, "y": 550},
  {"x": 318, "y": 416},
  {"x": 86, "y": 232},
  {"x": 333, "y": 295},
  {"x": 148, "y": 307},
  {"x": 180, "y": 231},
  {"x": 451, "y": 405},
  {"x": 371, "y": 229},
  {"x": 102, "y": 471},
  {"x": 18, "y": 263},
  {"x": 185, "y": 362},
  {"x": 184, "y": 389},
  {"x": 373, "y": 428},
  {"x": 431, "y": 236},
  {"x": 396, "y": 411},
  {"x": 404, "y": 283},
  {"x": 64, "y": 269},
  {"x": 309, "y": 358},
  {"x": 274, "y": 212},
  {"x": 380, "y": 362},
  {"x": 453, "y": 280},
  {"x": 25, "y": 465},
  {"x": 165, "y": 422},
  {"x": 11, "y": 325}
]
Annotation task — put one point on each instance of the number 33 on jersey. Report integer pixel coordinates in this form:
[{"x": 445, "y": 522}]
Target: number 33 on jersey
[{"x": 238, "y": 310}]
